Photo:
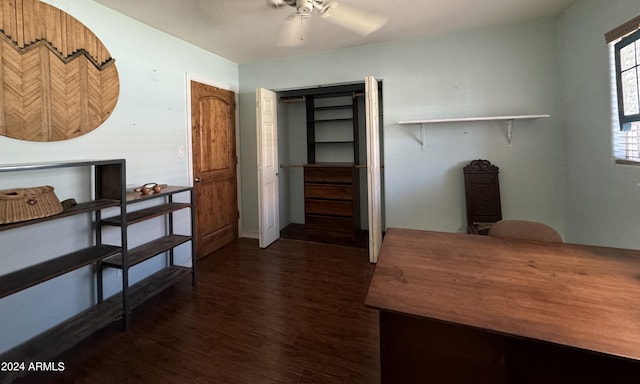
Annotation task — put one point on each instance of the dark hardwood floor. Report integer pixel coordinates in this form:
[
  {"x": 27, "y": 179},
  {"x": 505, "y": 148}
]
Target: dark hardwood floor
[
  {"x": 291, "y": 313},
  {"x": 297, "y": 232}
]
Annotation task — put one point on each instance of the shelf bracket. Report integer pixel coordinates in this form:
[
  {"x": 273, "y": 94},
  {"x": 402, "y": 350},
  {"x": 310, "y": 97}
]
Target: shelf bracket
[
  {"x": 421, "y": 141},
  {"x": 509, "y": 124}
]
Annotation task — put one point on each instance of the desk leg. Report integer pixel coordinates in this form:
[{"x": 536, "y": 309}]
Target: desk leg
[{"x": 415, "y": 350}]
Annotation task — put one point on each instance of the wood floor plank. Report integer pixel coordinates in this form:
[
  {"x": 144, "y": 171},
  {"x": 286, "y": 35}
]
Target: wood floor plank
[{"x": 291, "y": 313}]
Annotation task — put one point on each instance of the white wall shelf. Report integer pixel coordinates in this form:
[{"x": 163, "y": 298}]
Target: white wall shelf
[{"x": 509, "y": 121}]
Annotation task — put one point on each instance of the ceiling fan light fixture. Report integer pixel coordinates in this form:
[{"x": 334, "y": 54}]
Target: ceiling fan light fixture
[
  {"x": 294, "y": 31},
  {"x": 304, "y": 6}
]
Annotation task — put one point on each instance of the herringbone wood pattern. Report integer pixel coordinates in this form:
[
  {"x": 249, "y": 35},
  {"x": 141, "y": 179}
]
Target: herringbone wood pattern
[{"x": 58, "y": 80}]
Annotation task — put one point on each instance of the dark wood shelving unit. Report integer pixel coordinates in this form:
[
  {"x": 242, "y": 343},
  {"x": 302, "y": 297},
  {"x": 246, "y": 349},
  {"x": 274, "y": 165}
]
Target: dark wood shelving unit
[
  {"x": 331, "y": 200},
  {"x": 109, "y": 192},
  {"x": 162, "y": 245},
  {"x": 72, "y": 331},
  {"x": 330, "y": 116},
  {"x": 331, "y": 186}
]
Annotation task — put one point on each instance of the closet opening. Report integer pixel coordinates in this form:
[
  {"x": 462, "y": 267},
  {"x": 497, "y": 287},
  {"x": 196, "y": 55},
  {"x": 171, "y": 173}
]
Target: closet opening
[{"x": 323, "y": 163}]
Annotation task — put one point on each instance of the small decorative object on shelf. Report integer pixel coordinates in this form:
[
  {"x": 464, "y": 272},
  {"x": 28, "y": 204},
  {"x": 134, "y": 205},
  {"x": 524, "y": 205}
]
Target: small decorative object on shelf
[
  {"x": 150, "y": 188},
  {"x": 22, "y": 204}
]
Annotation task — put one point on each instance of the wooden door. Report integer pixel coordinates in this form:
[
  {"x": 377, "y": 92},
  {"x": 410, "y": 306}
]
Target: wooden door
[
  {"x": 268, "y": 198},
  {"x": 214, "y": 166}
]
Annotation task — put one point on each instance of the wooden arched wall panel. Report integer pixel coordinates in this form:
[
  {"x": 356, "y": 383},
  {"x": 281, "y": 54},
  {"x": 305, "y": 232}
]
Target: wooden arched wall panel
[{"x": 58, "y": 80}]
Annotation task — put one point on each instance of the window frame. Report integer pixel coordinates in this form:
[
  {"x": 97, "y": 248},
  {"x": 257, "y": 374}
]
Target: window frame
[
  {"x": 625, "y": 120},
  {"x": 621, "y": 139}
]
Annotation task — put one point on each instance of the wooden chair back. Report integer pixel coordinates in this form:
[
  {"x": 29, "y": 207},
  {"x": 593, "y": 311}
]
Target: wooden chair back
[
  {"x": 482, "y": 196},
  {"x": 524, "y": 229}
]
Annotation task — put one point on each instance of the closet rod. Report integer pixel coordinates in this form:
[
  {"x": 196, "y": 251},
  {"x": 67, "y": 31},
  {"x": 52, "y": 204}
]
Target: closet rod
[
  {"x": 292, "y": 99},
  {"x": 303, "y": 165}
]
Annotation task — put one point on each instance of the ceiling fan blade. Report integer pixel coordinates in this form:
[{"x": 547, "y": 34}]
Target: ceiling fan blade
[
  {"x": 362, "y": 22},
  {"x": 294, "y": 31}
]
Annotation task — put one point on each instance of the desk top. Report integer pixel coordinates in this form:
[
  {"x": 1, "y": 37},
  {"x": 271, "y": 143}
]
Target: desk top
[{"x": 582, "y": 296}]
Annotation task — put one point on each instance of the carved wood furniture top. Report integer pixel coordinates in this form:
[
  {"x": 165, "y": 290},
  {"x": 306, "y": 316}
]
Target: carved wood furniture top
[
  {"x": 482, "y": 195},
  {"x": 575, "y": 295}
]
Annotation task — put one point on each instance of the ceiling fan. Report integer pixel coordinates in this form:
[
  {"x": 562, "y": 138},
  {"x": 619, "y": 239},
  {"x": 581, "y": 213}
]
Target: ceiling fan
[{"x": 357, "y": 20}]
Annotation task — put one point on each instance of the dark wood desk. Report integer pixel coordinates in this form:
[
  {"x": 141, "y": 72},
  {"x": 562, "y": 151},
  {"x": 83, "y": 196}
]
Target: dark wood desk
[{"x": 458, "y": 308}]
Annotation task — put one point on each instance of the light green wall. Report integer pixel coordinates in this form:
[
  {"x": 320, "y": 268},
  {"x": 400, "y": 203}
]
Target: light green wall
[
  {"x": 510, "y": 69},
  {"x": 502, "y": 70},
  {"x": 603, "y": 199},
  {"x": 146, "y": 128}
]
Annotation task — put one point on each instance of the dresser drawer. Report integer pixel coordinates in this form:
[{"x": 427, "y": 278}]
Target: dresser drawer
[
  {"x": 329, "y": 174},
  {"x": 328, "y": 207},
  {"x": 328, "y": 191},
  {"x": 327, "y": 224}
]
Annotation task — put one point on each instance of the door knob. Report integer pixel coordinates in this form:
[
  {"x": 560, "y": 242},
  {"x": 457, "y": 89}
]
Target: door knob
[{"x": 197, "y": 180}]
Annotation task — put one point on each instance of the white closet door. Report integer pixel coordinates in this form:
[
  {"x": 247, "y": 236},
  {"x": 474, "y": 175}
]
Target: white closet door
[
  {"x": 268, "y": 204},
  {"x": 373, "y": 168}
]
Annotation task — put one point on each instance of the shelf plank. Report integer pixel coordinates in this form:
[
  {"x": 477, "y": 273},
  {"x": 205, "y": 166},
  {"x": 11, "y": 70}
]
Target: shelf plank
[
  {"x": 147, "y": 213},
  {"x": 333, "y": 120},
  {"x": 38, "y": 273},
  {"x": 508, "y": 120},
  {"x": 468, "y": 119},
  {"x": 88, "y": 207},
  {"x": 334, "y": 142},
  {"x": 156, "y": 283},
  {"x": 146, "y": 251},
  {"x": 133, "y": 197},
  {"x": 333, "y": 107}
]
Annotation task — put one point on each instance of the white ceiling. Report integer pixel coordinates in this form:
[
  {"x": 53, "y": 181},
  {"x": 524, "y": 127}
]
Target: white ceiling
[{"x": 247, "y": 30}]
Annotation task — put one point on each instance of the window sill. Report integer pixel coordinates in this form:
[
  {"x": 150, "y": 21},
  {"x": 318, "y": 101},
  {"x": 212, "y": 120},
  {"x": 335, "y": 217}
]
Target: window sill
[{"x": 627, "y": 162}]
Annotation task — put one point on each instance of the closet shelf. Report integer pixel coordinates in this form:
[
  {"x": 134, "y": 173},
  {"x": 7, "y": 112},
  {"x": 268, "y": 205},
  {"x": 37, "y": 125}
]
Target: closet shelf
[
  {"x": 333, "y": 120},
  {"x": 333, "y": 107},
  {"x": 509, "y": 121}
]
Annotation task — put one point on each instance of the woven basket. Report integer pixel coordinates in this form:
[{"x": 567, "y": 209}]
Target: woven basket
[{"x": 23, "y": 204}]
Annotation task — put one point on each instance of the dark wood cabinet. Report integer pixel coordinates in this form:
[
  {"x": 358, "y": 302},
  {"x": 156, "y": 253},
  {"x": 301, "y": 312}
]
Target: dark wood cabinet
[
  {"x": 109, "y": 193},
  {"x": 331, "y": 200},
  {"x": 334, "y": 151}
]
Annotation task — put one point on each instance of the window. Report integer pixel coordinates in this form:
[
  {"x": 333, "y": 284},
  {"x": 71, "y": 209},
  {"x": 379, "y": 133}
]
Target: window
[{"x": 624, "y": 45}]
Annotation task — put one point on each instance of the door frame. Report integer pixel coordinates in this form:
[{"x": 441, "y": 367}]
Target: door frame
[
  {"x": 374, "y": 177},
  {"x": 188, "y": 147},
  {"x": 381, "y": 207}
]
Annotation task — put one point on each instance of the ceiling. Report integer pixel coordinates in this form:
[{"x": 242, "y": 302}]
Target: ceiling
[{"x": 248, "y": 30}]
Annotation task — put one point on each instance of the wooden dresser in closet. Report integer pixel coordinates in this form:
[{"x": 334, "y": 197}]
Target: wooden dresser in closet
[{"x": 331, "y": 199}]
